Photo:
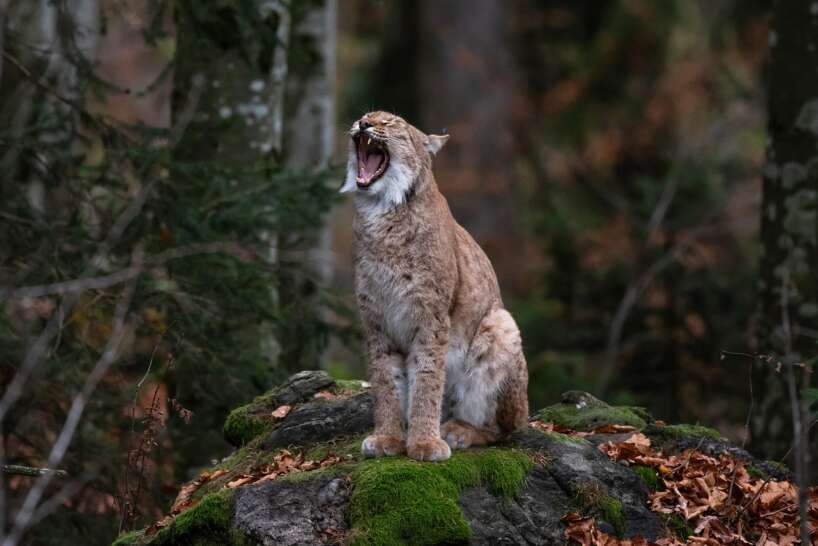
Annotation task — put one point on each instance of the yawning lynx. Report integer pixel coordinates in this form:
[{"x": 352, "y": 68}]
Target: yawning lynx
[{"x": 438, "y": 339}]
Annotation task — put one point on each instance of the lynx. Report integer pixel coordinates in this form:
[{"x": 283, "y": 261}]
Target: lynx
[{"x": 441, "y": 347}]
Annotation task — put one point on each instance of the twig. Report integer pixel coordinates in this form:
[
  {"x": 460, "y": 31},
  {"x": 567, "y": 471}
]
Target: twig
[
  {"x": 48, "y": 89},
  {"x": 26, "y": 513},
  {"x": 795, "y": 408},
  {"x": 128, "y": 273},
  {"x": 632, "y": 294},
  {"x": 32, "y": 471}
]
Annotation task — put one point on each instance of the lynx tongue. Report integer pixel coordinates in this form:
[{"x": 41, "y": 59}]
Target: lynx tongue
[{"x": 371, "y": 162}]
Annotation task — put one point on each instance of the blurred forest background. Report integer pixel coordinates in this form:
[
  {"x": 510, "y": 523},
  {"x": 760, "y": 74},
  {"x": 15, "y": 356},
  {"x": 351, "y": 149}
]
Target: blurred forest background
[{"x": 172, "y": 242}]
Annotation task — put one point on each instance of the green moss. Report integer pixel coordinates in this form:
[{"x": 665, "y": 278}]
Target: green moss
[
  {"x": 591, "y": 497},
  {"x": 563, "y": 438},
  {"x": 242, "y": 425},
  {"x": 349, "y": 385},
  {"x": 756, "y": 472},
  {"x": 677, "y": 525},
  {"x": 590, "y": 417},
  {"x": 401, "y": 501},
  {"x": 206, "y": 524},
  {"x": 689, "y": 431},
  {"x": 650, "y": 477},
  {"x": 128, "y": 539},
  {"x": 778, "y": 465},
  {"x": 334, "y": 471},
  {"x": 343, "y": 447}
]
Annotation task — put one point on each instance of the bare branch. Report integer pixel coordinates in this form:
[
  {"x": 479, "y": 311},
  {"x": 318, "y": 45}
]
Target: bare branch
[
  {"x": 26, "y": 513},
  {"x": 634, "y": 292},
  {"x": 128, "y": 273},
  {"x": 21, "y": 470}
]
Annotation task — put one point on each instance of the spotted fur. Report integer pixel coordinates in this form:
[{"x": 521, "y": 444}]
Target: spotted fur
[{"x": 440, "y": 345}]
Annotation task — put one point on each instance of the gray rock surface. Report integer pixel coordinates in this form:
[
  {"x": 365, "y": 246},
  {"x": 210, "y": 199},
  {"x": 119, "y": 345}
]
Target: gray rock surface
[
  {"x": 322, "y": 420},
  {"x": 286, "y": 513}
]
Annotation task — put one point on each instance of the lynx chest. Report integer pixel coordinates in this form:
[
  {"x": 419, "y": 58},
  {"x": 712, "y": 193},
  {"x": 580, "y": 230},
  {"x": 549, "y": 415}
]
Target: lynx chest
[{"x": 391, "y": 299}]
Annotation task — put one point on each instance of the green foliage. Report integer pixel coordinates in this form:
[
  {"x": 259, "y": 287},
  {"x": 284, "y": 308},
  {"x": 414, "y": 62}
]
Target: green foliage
[
  {"x": 400, "y": 501},
  {"x": 649, "y": 476},
  {"x": 207, "y": 318}
]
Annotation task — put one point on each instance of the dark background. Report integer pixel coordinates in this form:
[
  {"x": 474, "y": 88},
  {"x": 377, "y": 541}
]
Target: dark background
[{"x": 613, "y": 158}]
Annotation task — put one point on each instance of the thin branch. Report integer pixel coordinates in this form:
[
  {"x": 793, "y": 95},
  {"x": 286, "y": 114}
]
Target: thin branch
[
  {"x": 21, "y": 470},
  {"x": 24, "y": 516},
  {"x": 44, "y": 86},
  {"x": 795, "y": 408},
  {"x": 126, "y": 274},
  {"x": 633, "y": 293}
]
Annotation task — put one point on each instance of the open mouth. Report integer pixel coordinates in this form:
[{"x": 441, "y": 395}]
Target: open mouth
[{"x": 373, "y": 159}]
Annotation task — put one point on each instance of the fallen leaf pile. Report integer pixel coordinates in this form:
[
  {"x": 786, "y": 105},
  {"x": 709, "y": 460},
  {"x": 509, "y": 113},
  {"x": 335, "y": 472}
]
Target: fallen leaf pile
[
  {"x": 715, "y": 496},
  {"x": 185, "y": 496},
  {"x": 283, "y": 463},
  {"x": 583, "y": 530}
]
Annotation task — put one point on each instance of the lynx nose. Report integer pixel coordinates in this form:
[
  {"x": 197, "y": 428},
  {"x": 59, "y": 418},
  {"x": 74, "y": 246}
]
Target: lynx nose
[{"x": 363, "y": 125}]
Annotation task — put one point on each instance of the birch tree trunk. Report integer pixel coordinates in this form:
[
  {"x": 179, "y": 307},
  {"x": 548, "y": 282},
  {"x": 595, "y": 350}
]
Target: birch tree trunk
[{"x": 309, "y": 145}]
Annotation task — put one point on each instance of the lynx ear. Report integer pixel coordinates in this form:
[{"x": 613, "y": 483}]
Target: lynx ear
[{"x": 435, "y": 142}]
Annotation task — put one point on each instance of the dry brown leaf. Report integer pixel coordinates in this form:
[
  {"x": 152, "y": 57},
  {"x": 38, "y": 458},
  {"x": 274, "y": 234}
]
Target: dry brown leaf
[
  {"x": 326, "y": 395},
  {"x": 241, "y": 480},
  {"x": 281, "y": 411},
  {"x": 613, "y": 429},
  {"x": 183, "y": 499}
]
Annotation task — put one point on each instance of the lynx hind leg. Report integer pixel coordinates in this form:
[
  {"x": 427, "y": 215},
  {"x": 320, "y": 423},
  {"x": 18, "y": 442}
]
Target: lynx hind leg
[
  {"x": 512, "y": 406},
  {"x": 489, "y": 390}
]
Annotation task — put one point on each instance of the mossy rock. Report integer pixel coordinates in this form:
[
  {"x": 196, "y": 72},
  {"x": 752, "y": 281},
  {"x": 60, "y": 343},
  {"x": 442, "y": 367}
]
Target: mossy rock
[
  {"x": 593, "y": 498},
  {"x": 247, "y": 422},
  {"x": 650, "y": 476},
  {"x": 688, "y": 431},
  {"x": 401, "y": 501},
  {"x": 502, "y": 494},
  {"x": 560, "y": 437},
  {"x": 582, "y": 411},
  {"x": 208, "y": 523}
]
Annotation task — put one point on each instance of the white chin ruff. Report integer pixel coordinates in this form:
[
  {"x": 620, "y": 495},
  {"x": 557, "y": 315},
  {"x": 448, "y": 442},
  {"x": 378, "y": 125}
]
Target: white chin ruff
[{"x": 385, "y": 193}]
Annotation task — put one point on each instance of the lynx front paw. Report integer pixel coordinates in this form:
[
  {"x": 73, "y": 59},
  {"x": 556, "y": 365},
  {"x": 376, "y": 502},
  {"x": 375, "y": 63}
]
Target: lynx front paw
[
  {"x": 378, "y": 445},
  {"x": 429, "y": 449}
]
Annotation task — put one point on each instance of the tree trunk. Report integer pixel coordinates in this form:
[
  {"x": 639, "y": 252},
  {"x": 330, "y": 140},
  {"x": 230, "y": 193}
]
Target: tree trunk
[
  {"x": 309, "y": 127},
  {"x": 465, "y": 80},
  {"x": 788, "y": 287}
]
